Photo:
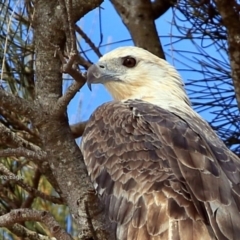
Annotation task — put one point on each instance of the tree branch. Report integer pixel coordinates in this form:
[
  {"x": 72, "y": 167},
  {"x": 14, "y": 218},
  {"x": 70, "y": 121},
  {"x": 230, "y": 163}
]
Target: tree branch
[
  {"x": 83, "y": 62},
  {"x": 35, "y": 182},
  {"x": 80, "y": 80},
  {"x": 25, "y": 233},
  {"x": 16, "y": 123},
  {"x": 67, "y": 97},
  {"x": 12, "y": 177},
  {"x": 229, "y": 11},
  {"x": 12, "y": 139},
  {"x": 16, "y": 104},
  {"x": 138, "y": 17},
  {"x": 37, "y": 156},
  {"x": 88, "y": 41},
  {"x": 22, "y": 215},
  {"x": 159, "y": 7}
]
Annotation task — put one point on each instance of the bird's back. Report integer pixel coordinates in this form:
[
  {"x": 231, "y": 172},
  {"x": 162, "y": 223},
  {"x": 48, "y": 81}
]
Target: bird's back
[{"x": 162, "y": 175}]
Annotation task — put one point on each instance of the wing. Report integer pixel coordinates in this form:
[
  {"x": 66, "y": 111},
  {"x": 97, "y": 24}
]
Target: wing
[{"x": 159, "y": 176}]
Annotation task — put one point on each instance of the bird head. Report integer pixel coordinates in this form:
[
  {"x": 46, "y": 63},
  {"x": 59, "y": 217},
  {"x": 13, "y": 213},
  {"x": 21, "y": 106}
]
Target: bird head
[{"x": 134, "y": 73}]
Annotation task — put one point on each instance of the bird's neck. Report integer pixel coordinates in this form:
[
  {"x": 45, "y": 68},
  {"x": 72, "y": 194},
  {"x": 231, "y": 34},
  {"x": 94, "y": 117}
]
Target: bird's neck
[{"x": 167, "y": 97}]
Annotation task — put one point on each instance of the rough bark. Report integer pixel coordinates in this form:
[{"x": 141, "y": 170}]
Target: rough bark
[{"x": 229, "y": 11}]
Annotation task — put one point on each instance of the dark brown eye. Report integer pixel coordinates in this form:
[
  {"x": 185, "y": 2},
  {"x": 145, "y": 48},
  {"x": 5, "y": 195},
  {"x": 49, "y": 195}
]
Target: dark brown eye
[{"x": 129, "y": 62}]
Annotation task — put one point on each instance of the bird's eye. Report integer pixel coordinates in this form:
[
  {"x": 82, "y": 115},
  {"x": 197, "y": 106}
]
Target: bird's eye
[{"x": 129, "y": 62}]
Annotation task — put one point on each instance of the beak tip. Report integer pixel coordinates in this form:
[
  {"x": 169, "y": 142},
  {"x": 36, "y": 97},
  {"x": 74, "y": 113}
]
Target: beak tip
[
  {"x": 89, "y": 86},
  {"x": 94, "y": 75}
]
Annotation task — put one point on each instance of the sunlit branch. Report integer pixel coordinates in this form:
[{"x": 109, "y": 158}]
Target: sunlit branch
[{"x": 21, "y": 215}]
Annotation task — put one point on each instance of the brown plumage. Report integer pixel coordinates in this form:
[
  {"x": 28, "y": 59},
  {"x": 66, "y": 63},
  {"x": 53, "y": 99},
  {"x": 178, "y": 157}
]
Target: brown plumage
[{"x": 160, "y": 170}]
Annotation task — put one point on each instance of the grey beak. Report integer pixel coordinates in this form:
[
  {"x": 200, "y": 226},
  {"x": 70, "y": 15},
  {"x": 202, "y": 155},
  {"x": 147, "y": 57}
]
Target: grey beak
[
  {"x": 94, "y": 75},
  {"x": 89, "y": 85}
]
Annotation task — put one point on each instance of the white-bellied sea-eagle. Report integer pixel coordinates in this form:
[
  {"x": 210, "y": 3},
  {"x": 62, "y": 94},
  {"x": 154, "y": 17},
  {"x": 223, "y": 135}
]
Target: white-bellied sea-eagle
[{"x": 160, "y": 170}]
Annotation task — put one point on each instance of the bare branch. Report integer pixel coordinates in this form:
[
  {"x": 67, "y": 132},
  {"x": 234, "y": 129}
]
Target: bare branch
[
  {"x": 77, "y": 76},
  {"x": 67, "y": 97},
  {"x": 16, "y": 104},
  {"x": 78, "y": 129},
  {"x": 25, "y": 233},
  {"x": 138, "y": 17},
  {"x": 22, "y": 215},
  {"x": 74, "y": 88},
  {"x": 83, "y": 62},
  {"x": 12, "y": 177},
  {"x": 67, "y": 66},
  {"x": 12, "y": 118},
  {"x": 37, "y": 156},
  {"x": 12, "y": 139},
  {"x": 27, "y": 203},
  {"x": 8, "y": 197}
]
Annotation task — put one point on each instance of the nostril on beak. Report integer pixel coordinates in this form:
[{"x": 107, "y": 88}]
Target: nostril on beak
[{"x": 101, "y": 66}]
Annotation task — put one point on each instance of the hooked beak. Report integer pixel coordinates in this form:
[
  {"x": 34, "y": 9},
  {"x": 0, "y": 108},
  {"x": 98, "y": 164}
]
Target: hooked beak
[
  {"x": 94, "y": 75},
  {"x": 99, "y": 73}
]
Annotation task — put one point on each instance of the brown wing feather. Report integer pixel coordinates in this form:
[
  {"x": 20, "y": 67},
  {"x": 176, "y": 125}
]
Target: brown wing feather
[{"x": 160, "y": 175}]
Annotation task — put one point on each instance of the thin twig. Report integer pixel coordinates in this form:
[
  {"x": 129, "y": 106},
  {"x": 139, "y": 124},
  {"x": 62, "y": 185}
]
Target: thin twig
[
  {"x": 35, "y": 182},
  {"x": 88, "y": 41},
  {"x": 74, "y": 88},
  {"x": 7, "y": 198},
  {"x": 6, "y": 42},
  {"x": 100, "y": 27},
  {"x": 66, "y": 65},
  {"x": 63, "y": 101}
]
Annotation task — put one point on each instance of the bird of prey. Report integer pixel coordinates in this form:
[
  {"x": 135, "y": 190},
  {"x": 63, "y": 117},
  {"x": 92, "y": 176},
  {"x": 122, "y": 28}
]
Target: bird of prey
[{"x": 157, "y": 166}]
